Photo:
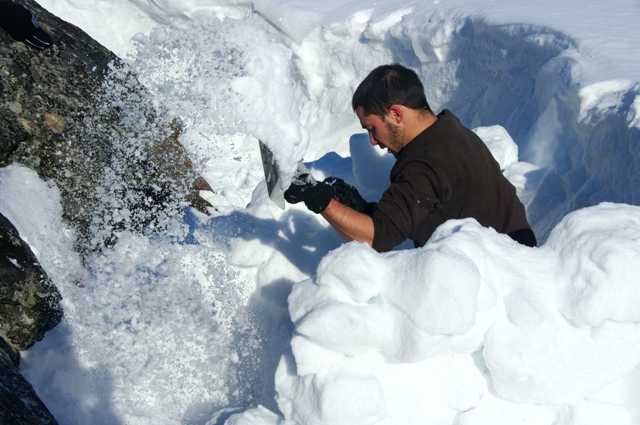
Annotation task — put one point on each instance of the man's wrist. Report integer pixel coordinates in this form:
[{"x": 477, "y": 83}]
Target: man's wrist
[{"x": 349, "y": 223}]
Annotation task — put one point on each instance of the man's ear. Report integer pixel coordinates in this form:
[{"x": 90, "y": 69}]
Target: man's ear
[{"x": 396, "y": 114}]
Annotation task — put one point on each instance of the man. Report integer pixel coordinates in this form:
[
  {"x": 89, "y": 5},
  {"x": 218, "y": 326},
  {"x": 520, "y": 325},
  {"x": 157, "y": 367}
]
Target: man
[{"x": 443, "y": 171}]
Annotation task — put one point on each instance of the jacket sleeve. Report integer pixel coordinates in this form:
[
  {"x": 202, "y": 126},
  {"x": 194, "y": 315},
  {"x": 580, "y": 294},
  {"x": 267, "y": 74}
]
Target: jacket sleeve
[{"x": 417, "y": 191}]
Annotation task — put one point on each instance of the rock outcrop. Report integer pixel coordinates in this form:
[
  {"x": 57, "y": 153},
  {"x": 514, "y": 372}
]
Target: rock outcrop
[
  {"x": 19, "y": 403},
  {"x": 78, "y": 116},
  {"x": 29, "y": 302},
  {"x": 29, "y": 307}
]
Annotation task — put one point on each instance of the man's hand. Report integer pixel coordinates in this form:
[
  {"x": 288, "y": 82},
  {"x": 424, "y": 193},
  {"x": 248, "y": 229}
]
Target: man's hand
[
  {"x": 326, "y": 198},
  {"x": 315, "y": 195},
  {"x": 22, "y": 26},
  {"x": 347, "y": 195}
]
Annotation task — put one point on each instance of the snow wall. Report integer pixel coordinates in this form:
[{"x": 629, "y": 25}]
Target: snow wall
[
  {"x": 522, "y": 77},
  {"x": 527, "y": 78}
]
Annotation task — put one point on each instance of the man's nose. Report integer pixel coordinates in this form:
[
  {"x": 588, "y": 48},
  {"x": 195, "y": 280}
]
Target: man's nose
[{"x": 372, "y": 140}]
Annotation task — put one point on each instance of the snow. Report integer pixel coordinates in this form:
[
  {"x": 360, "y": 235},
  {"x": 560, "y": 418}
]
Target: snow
[
  {"x": 258, "y": 316},
  {"x": 234, "y": 66},
  {"x": 458, "y": 294}
]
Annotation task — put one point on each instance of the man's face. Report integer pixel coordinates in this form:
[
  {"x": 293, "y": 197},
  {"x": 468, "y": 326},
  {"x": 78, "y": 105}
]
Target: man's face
[{"x": 383, "y": 132}]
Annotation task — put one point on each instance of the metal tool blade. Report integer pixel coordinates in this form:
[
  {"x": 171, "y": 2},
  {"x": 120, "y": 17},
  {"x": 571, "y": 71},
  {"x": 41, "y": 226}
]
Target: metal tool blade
[{"x": 271, "y": 175}]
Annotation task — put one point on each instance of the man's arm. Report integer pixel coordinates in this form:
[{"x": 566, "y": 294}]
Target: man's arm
[
  {"x": 349, "y": 223},
  {"x": 328, "y": 198}
]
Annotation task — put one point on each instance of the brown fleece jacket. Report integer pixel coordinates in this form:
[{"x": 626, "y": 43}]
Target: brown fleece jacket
[{"x": 446, "y": 172}]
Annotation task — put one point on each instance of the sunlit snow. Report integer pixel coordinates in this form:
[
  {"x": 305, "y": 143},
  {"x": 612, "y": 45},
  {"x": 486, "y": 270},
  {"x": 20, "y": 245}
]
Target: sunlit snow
[{"x": 257, "y": 316}]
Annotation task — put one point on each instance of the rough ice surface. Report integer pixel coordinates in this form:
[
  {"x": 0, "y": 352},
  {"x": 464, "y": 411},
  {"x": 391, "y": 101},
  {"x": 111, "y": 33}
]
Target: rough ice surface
[{"x": 259, "y": 316}]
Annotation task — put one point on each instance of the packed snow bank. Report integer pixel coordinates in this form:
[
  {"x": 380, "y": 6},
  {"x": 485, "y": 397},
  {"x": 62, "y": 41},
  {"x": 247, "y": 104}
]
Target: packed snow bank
[
  {"x": 529, "y": 79},
  {"x": 553, "y": 325},
  {"x": 590, "y": 146}
]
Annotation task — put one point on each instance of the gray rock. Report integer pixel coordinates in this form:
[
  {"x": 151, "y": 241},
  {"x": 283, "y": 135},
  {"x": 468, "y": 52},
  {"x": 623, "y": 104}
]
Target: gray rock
[
  {"x": 77, "y": 115},
  {"x": 29, "y": 302},
  {"x": 19, "y": 403},
  {"x": 13, "y": 354}
]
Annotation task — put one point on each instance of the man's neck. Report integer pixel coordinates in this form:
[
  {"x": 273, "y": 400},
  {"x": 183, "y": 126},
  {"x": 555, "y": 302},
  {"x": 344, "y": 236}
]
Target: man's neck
[{"x": 418, "y": 123}]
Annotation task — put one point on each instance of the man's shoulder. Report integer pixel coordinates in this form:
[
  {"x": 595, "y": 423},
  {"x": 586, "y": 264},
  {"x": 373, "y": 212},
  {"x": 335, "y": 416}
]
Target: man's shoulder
[
  {"x": 446, "y": 121},
  {"x": 418, "y": 163}
]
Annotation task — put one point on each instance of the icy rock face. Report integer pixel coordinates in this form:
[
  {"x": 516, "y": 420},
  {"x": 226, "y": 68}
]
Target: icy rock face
[
  {"x": 29, "y": 302},
  {"x": 19, "y": 404},
  {"x": 76, "y": 115},
  {"x": 13, "y": 354}
]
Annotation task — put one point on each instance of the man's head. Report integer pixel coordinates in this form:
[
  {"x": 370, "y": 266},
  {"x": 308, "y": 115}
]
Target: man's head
[{"x": 392, "y": 107}]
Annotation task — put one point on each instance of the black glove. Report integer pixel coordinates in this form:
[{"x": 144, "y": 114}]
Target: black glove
[
  {"x": 22, "y": 26},
  {"x": 315, "y": 195},
  {"x": 347, "y": 194}
]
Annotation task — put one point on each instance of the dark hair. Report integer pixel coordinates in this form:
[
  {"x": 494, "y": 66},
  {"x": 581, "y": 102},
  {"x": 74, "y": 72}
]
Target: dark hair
[{"x": 390, "y": 85}]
